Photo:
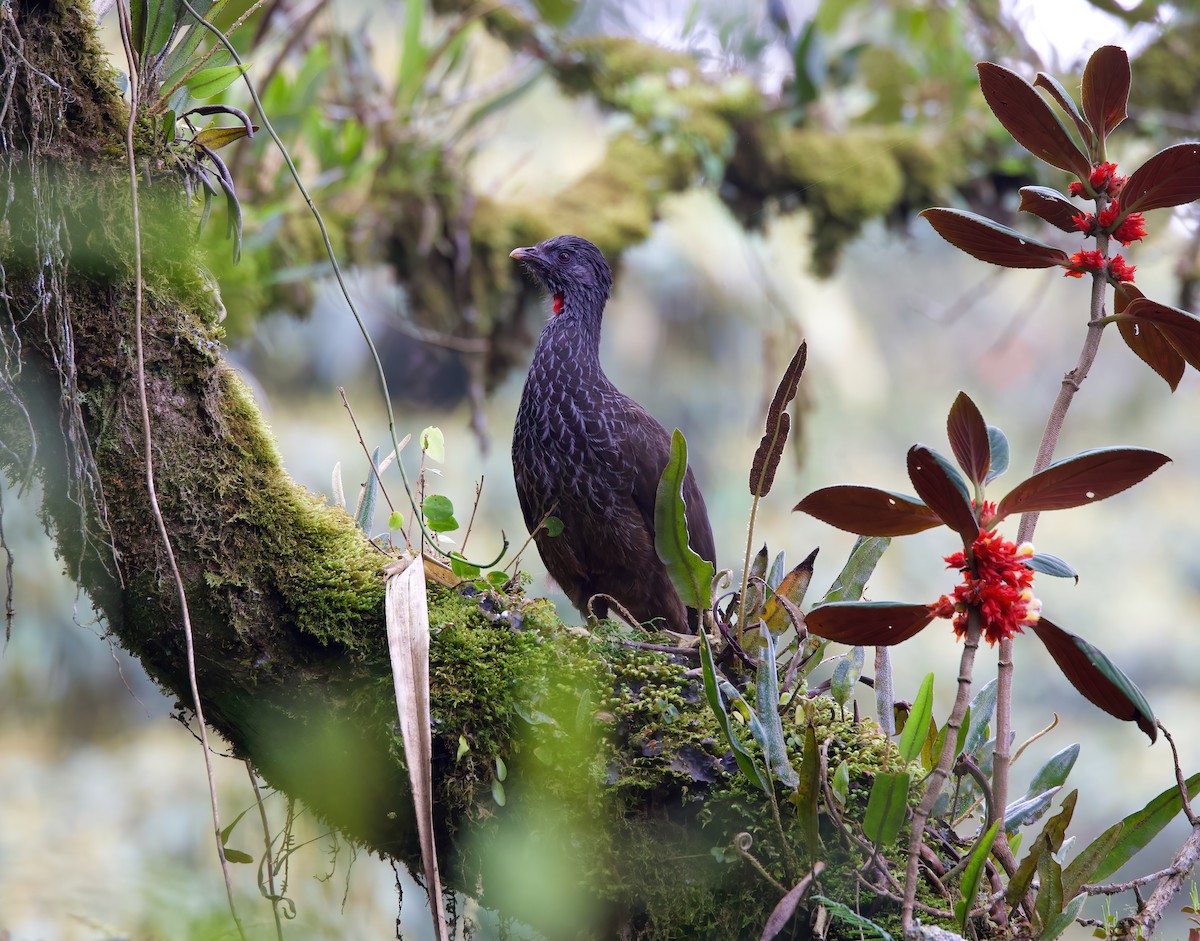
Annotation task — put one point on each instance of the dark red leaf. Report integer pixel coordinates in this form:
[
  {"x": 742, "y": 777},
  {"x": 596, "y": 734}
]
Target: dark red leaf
[
  {"x": 1083, "y": 478},
  {"x": 1027, "y": 117},
  {"x": 1181, "y": 329},
  {"x": 867, "y": 623},
  {"x": 1170, "y": 178},
  {"x": 1106, "y": 88},
  {"x": 992, "y": 242},
  {"x": 1067, "y": 103},
  {"x": 869, "y": 511},
  {"x": 779, "y": 422},
  {"x": 1050, "y": 206},
  {"x": 1146, "y": 340},
  {"x": 943, "y": 490},
  {"x": 1095, "y": 676},
  {"x": 969, "y": 439}
]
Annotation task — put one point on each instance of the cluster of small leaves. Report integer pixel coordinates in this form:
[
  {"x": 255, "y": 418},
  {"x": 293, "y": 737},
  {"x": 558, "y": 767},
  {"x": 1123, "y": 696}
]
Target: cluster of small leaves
[
  {"x": 1164, "y": 337},
  {"x": 946, "y": 498}
]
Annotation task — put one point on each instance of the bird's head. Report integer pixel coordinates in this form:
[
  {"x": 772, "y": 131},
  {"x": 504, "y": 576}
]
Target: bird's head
[{"x": 573, "y": 271}]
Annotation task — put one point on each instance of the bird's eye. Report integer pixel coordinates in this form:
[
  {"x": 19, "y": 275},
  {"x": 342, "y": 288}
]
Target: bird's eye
[{"x": 564, "y": 257}]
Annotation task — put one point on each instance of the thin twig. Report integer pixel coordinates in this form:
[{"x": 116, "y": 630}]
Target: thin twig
[
  {"x": 270, "y": 863},
  {"x": 1184, "y": 797},
  {"x": 366, "y": 451},
  {"x": 148, "y": 454},
  {"x": 471, "y": 522}
]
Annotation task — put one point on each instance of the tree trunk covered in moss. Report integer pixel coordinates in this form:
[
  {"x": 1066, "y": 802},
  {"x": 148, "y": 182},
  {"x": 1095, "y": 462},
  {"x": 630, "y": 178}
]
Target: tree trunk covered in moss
[{"x": 618, "y": 789}]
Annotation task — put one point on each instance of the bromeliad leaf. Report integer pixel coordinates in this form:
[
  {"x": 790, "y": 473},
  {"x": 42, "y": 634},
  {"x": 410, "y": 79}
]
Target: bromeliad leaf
[
  {"x": 691, "y": 575},
  {"x": 869, "y": 623},
  {"x": 1106, "y": 89},
  {"x": 943, "y": 490},
  {"x": 1096, "y": 677},
  {"x": 1170, "y": 178},
  {"x": 1081, "y": 479},
  {"x": 770, "y": 448},
  {"x": 992, "y": 242},
  {"x": 1049, "y": 206},
  {"x": 869, "y": 511},
  {"x": 968, "y": 436},
  {"x": 1027, "y": 117}
]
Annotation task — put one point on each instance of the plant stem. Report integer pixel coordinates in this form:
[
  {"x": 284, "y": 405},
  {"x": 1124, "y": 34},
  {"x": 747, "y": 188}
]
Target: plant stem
[
  {"x": 937, "y": 779},
  {"x": 746, "y": 572},
  {"x": 1070, "y": 385}
]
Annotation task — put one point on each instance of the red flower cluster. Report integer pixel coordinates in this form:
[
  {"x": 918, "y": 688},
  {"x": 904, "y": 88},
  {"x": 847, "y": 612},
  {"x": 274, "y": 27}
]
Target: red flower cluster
[
  {"x": 1103, "y": 179},
  {"x": 1131, "y": 229},
  {"x": 1002, "y": 588},
  {"x": 1082, "y": 262}
]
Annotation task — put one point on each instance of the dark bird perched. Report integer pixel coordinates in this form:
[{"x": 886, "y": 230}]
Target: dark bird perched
[{"x": 591, "y": 456}]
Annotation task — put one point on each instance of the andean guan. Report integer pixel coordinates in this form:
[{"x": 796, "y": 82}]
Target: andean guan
[{"x": 591, "y": 456}]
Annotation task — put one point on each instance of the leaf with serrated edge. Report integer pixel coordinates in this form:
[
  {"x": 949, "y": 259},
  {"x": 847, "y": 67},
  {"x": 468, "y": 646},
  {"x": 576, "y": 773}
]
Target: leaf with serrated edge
[
  {"x": 870, "y": 623},
  {"x": 1027, "y": 117},
  {"x": 1096, "y": 677},
  {"x": 1170, "y": 178},
  {"x": 1106, "y": 88},
  {"x": 1049, "y": 206},
  {"x": 968, "y": 436},
  {"x": 869, "y": 511},
  {"x": 992, "y": 242},
  {"x": 1081, "y": 479},
  {"x": 943, "y": 490}
]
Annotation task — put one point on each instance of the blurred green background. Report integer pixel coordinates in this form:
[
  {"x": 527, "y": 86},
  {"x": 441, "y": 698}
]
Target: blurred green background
[{"x": 104, "y": 819}]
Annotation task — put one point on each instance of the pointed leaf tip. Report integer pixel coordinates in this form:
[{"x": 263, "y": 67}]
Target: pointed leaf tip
[
  {"x": 992, "y": 242},
  {"x": 968, "y": 436},
  {"x": 1081, "y": 479},
  {"x": 1106, "y": 79},
  {"x": 943, "y": 490},
  {"x": 869, "y": 511},
  {"x": 1096, "y": 677},
  {"x": 1028, "y": 118},
  {"x": 1170, "y": 178}
]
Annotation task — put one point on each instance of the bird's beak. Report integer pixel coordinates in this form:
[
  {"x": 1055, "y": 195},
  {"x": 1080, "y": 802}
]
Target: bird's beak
[{"x": 524, "y": 254}]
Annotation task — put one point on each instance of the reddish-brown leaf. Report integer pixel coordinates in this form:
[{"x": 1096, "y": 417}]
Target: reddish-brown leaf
[
  {"x": 969, "y": 439},
  {"x": 1080, "y": 479},
  {"x": 1050, "y": 206},
  {"x": 992, "y": 242},
  {"x": 868, "y": 623},
  {"x": 943, "y": 490},
  {"x": 1146, "y": 340},
  {"x": 869, "y": 511},
  {"x": 1170, "y": 178},
  {"x": 1027, "y": 117},
  {"x": 1106, "y": 88},
  {"x": 1181, "y": 329},
  {"x": 1096, "y": 677},
  {"x": 1054, "y": 88},
  {"x": 779, "y": 422}
]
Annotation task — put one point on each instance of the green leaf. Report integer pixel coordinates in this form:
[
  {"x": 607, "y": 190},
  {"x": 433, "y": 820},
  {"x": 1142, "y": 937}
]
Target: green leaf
[
  {"x": 691, "y": 575},
  {"x": 437, "y": 508},
  {"x": 208, "y": 83},
  {"x": 498, "y": 794},
  {"x": 501, "y": 769},
  {"x": 1049, "y": 564},
  {"x": 463, "y": 748},
  {"x": 553, "y": 526},
  {"x": 808, "y": 792},
  {"x": 214, "y": 138},
  {"x": 1064, "y": 918},
  {"x": 982, "y": 707},
  {"x": 367, "y": 497},
  {"x": 229, "y": 829},
  {"x": 969, "y": 887},
  {"x": 395, "y": 520},
  {"x": 237, "y": 856},
  {"x": 461, "y": 567},
  {"x": 767, "y": 710},
  {"x": 1083, "y": 867},
  {"x": 443, "y": 525},
  {"x": 745, "y": 761},
  {"x": 860, "y": 564},
  {"x": 886, "y": 807},
  {"x": 433, "y": 443},
  {"x": 1028, "y": 809},
  {"x": 1054, "y": 772},
  {"x": 840, "y": 785},
  {"x": 846, "y": 674},
  {"x": 497, "y": 579},
  {"x": 917, "y": 726},
  {"x": 1140, "y": 827},
  {"x": 851, "y": 917}
]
